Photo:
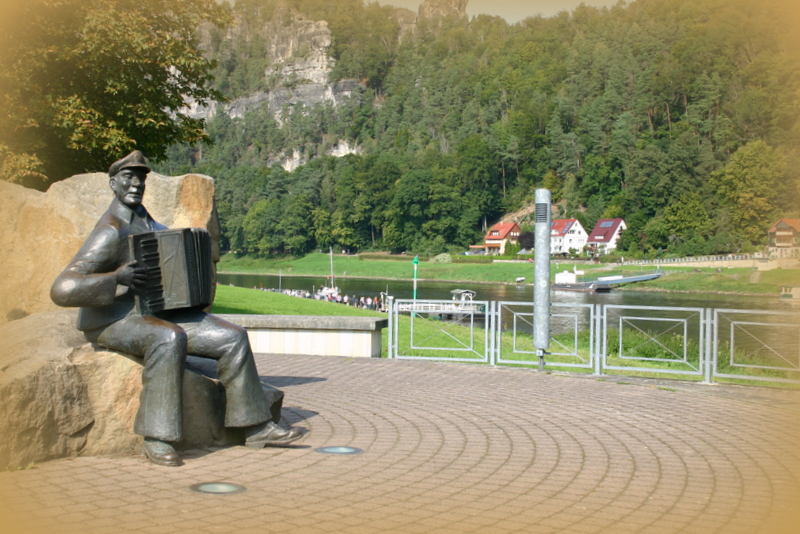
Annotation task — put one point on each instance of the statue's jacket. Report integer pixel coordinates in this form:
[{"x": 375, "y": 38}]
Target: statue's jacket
[{"x": 90, "y": 280}]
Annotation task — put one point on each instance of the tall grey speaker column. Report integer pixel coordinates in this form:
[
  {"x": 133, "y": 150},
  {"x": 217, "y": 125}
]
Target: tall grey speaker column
[{"x": 541, "y": 288}]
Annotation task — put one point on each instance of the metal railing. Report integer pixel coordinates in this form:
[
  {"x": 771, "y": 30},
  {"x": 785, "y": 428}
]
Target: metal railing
[{"x": 696, "y": 343}]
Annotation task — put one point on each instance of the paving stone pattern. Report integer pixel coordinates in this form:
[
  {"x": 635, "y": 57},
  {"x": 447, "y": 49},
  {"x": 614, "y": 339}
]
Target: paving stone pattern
[{"x": 452, "y": 448}]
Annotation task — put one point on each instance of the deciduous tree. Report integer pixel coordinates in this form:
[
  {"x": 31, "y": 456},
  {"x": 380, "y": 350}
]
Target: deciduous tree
[{"x": 84, "y": 81}]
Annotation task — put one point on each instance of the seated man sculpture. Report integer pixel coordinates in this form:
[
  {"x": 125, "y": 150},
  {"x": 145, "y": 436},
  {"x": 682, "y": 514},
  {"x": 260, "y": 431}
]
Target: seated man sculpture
[{"x": 102, "y": 280}]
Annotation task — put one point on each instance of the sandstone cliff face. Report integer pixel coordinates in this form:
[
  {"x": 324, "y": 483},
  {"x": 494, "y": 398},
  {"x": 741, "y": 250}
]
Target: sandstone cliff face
[
  {"x": 41, "y": 232},
  {"x": 407, "y": 20},
  {"x": 434, "y": 9},
  {"x": 299, "y": 68},
  {"x": 300, "y": 65}
]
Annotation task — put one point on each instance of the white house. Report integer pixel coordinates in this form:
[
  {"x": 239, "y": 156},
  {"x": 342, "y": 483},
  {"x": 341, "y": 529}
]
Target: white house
[
  {"x": 605, "y": 235},
  {"x": 566, "y": 234}
]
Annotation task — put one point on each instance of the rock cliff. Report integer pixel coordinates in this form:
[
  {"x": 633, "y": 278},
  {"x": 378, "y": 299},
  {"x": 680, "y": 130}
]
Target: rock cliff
[
  {"x": 299, "y": 68},
  {"x": 299, "y": 65},
  {"x": 436, "y": 9}
]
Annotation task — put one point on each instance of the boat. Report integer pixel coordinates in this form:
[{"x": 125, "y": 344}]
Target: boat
[
  {"x": 464, "y": 295},
  {"x": 329, "y": 291}
]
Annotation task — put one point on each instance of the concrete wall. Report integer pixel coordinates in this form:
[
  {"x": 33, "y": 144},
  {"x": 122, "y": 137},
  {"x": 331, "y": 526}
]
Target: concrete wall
[{"x": 317, "y": 336}]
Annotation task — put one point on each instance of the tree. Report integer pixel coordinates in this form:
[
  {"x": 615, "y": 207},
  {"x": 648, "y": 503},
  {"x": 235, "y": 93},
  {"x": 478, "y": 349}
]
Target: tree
[
  {"x": 750, "y": 187},
  {"x": 527, "y": 240},
  {"x": 84, "y": 81},
  {"x": 260, "y": 228},
  {"x": 296, "y": 225},
  {"x": 687, "y": 217}
]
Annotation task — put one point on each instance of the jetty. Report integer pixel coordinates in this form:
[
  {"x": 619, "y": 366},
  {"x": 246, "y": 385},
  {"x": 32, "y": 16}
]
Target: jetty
[{"x": 568, "y": 281}]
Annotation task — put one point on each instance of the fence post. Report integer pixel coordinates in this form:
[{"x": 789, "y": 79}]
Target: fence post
[
  {"x": 709, "y": 346},
  {"x": 390, "y": 341},
  {"x": 493, "y": 332},
  {"x": 595, "y": 330}
]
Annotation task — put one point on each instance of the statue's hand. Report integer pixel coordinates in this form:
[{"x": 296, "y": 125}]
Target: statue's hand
[{"x": 132, "y": 276}]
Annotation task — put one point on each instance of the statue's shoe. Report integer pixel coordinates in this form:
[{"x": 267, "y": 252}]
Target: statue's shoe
[
  {"x": 160, "y": 452},
  {"x": 271, "y": 435}
]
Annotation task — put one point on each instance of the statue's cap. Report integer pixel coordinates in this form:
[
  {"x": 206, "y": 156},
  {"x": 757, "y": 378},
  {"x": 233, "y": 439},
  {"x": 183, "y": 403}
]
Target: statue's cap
[{"x": 133, "y": 160}]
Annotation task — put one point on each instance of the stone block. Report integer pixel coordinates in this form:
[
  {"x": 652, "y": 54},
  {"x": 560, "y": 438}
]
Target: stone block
[{"x": 63, "y": 396}]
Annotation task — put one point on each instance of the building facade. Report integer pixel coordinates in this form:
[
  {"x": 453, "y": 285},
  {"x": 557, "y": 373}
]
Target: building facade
[
  {"x": 604, "y": 236},
  {"x": 566, "y": 235},
  {"x": 784, "y": 238},
  {"x": 499, "y": 237}
]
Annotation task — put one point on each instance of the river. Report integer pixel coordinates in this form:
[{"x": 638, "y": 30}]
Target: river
[{"x": 360, "y": 287}]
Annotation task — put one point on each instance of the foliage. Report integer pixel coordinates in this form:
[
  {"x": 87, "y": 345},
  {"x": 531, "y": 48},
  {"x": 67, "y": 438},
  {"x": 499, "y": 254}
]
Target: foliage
[
  {"x": 442, "y": 258},
  {"x": 84, "y": 81},
  {"x": 680, "y": 116},
  {"x": 753, "y": 185}
]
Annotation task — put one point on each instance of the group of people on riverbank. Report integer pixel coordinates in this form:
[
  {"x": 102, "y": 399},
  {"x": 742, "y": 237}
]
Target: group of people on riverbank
[
  {"x": 332, "y": 295},
  {"x": 366, "y": 303}
]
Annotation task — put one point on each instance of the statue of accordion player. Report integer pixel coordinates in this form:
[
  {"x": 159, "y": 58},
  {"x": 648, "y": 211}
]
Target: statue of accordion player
[{"x": 142, "y": 290}]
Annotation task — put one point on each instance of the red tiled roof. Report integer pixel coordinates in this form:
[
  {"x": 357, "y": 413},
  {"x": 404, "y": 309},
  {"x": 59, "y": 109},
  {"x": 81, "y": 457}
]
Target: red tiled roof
[
  {"x": 502, "y": 229},
  {"x": 794, "y": 223},
  {"x": 560, "y": 227},
  {"x": 604, "y": 230}
]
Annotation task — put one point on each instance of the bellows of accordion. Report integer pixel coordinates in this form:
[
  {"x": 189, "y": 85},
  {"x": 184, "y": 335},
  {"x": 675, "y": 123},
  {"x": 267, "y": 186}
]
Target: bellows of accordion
[{"x": 177, "y": 266}]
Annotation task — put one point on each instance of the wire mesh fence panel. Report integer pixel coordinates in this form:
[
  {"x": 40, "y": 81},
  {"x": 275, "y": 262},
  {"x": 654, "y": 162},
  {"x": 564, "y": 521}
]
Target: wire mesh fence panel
[
  {"x": 441, "y": 330},
  {"x": 653, "y": 339},
  {"x": 571, "y": 335},
  {"x": 757, "y": 345},
  {"x": 710, "y": 344}
]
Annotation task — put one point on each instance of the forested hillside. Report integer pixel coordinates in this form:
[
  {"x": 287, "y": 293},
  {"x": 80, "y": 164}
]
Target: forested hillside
[{"x": 681, "y": 116}]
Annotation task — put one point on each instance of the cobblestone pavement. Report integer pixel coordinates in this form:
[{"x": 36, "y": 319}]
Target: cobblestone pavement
[{"x": 454, "y": 448}]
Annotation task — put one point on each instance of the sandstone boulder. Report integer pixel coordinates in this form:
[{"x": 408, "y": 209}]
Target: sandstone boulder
[
  {"x": 41, "y": 232},
  {"x": 63, "y": 396}
]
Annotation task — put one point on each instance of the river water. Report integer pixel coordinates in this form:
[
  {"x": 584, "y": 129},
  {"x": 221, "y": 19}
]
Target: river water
[{"x": 360, "y": 287}]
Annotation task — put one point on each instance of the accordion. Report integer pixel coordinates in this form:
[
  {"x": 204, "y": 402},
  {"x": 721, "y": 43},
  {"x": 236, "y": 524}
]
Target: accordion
[{"x": 178, "y": 269}]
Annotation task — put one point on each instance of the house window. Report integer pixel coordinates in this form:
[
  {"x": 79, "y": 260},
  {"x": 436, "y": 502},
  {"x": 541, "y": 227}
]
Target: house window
[{"x": 495, "y": 232}]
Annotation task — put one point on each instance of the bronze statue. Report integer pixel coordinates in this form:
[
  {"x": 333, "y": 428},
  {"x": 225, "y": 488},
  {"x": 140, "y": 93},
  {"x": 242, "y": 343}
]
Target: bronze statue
[{"x": 102, "y": 279}]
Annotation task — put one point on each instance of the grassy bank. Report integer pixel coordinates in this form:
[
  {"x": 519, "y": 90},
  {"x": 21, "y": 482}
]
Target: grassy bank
[{"x": 683, "y": 279}]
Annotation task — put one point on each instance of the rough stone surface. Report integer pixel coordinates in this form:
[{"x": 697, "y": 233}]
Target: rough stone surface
[
  {"x": 63, "y": 396},
  {"x": 41, "y": 232},
  {"x": 437, "y": 9}
]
